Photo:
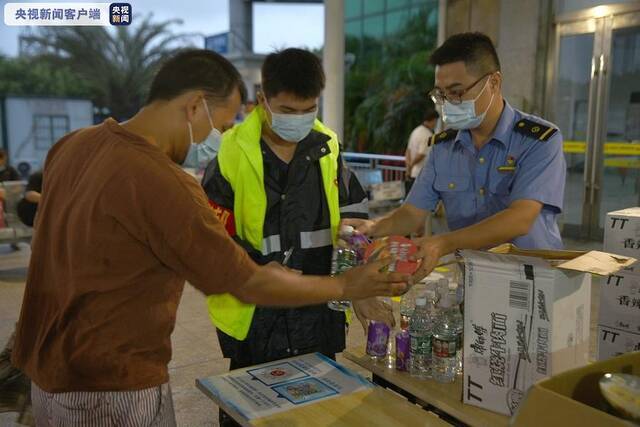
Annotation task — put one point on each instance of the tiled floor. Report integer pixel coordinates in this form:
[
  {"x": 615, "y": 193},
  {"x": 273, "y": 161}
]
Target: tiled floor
[{"x": 195, "y": 348}]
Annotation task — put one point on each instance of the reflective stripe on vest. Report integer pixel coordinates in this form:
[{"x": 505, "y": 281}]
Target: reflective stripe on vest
[
  {"x": 361, "y": 207},
  {"x": 315, "y": 239},
  {"x": 271, "y": 244},
  {"x": 241, "y": 164}
]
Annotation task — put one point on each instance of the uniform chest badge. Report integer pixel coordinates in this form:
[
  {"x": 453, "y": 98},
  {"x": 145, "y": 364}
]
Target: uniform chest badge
[{"x": 510, "y": 166}]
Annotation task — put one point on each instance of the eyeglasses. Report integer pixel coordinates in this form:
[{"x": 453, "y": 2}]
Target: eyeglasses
[{"x": 438, "y": 96}]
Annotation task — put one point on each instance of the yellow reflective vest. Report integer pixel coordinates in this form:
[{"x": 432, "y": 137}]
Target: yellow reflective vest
[{"x": 241, "y": 164}]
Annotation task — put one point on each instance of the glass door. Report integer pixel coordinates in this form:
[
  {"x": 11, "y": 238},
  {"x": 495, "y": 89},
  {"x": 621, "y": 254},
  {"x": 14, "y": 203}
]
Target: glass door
[
  {"x": 572, "y": 105},
  {"x": 594, "y": 98},
  {"x": 618, "y": 177}
]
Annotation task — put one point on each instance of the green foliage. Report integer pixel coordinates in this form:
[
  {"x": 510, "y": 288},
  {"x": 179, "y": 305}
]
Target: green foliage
[
  {"x": 26, "y": 76},
  {"x": 386, "y": 89},
  {"x": 117, "y": 65}
]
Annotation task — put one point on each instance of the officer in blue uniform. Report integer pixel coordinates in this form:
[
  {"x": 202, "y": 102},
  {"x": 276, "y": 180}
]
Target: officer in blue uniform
[{"x": 499, "y": 172}]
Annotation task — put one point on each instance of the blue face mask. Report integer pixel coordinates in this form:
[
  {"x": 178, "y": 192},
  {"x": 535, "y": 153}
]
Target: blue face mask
[
  {"x": 292, "y": 127},
  {"x": 463, "y": 115},
  {"x": 200, "y": 155}
]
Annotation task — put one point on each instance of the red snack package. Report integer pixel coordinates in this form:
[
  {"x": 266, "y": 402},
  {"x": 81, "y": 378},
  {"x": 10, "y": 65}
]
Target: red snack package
[{"x": 397, "y": 247}]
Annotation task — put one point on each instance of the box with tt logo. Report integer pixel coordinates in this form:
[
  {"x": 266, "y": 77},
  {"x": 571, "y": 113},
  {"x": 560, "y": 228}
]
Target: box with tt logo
[
  {"x": 526, "y": 317},
  {"x": 619, "y": 318}
]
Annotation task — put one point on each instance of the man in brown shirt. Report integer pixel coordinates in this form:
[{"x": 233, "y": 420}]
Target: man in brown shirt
[{"x": 120, "y": 227}]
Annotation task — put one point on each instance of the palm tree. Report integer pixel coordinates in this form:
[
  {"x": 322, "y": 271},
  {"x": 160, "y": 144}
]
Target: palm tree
[
  {"x": 386, "y": 89},
  {"x": 117, "y": 64}
]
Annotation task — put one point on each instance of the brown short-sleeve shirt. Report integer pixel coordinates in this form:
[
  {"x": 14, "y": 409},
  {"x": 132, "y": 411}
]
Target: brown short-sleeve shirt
[{"x": 119, "y": 229}]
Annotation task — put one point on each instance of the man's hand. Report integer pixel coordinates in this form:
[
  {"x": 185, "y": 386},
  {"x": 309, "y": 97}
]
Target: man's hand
[
  {"x": 373, "y": 309},
  {"x": 362, "y": 226},
  {"x": 430, "y": 250},
  {"x": 368, "y": 281}
]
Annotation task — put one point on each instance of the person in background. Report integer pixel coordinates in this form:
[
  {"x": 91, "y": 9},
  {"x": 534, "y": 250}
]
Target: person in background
[
  {"x": 419, "y": 146},
  {"x": 28, "y": 205},
  {"x": 13, "y": 382},
  {"x": 499, "y": 172},
  {"x": 281, "y": 188},
  {"x": 7, "y": 172},
  {"x": 120, "y": 227},
  {"x": 249, "y": 106}
]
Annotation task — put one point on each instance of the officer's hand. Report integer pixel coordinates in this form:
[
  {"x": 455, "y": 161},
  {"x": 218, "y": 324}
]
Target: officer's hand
[
  {"x": 362, "y": 226},
  {"x": 373, "y": 309},
  {"x": 368, "y": 281},
  {"x": 430, "y": 250}
]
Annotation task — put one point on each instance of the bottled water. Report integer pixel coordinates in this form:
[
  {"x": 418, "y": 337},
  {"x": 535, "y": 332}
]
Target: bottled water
[
  {"x": 420, "y": 334},
  {"x": 342, "y": 260},
  {"x": 390, "y": 360},
  {"x": 402, "y": 337},
  {"x": 407, "y": 303},
  {"x": 445, "y": 340},
  {"x": 460, "y": 301},
  {"x": 442, "y": 288},
  {"x": 457, "y": 320},
  {"x": 403, "y": 350}
]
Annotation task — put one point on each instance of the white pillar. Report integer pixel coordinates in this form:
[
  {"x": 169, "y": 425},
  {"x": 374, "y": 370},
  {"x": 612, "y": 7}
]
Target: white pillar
[
  {"x": 333, "y": 62},
  {"x": 240, "y": 26},
  {"x": 442, "y": 22}
]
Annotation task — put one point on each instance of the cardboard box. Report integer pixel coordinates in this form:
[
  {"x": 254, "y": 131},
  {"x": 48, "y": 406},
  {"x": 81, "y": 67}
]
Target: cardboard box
[
  {"x": 390, "y": 190},
  {"x": 526, "y": 318},
  {"x": 573, "y": 398},
  {"x": 613, "y": 342},
  {"x": 619, "y": 314},
  {"x": 622, "y": 232},
  {"x": 620, "y": 301}
]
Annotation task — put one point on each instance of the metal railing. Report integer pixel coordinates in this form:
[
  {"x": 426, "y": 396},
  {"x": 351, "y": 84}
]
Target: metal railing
[{"x": 375, "y": 168}]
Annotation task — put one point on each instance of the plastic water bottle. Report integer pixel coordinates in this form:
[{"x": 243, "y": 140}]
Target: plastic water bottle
[
  {"x": 390, "y": 360},
  {"x": 345, "y": 258},
  {"x": 460, "y": 303},
  {"x": 420, "y": 334},
  {"x": 445, "y": 340},
  {"x": 407, "y": 303},
  {"x": 403, "y": 350},
  {"x": 442, "y": 288},
  {"x": 342, "y": 260}
]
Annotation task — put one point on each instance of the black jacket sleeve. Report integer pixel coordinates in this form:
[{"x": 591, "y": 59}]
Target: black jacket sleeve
[
  {"x": 354, "y": 202},
  {"x": 35, "y": 182},
  {"x": 220, "y": 195}
]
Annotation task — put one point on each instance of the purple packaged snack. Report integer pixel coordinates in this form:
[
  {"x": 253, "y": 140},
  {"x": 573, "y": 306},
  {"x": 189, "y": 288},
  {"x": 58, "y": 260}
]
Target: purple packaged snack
[
  {"x": 377, "y": 340},
  {"x": 359, "y": 243},
  {"x": 403, "y": 350}
]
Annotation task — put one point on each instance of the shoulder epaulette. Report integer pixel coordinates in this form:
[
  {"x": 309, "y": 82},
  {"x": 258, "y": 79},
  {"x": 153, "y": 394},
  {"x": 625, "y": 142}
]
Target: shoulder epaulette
[
  {"x": 534, "y": 129},
  {"x": 445, "y": 135}
]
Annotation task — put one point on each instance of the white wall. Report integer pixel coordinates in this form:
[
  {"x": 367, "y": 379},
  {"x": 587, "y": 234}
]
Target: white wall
[{"x": 20, "y": 124}]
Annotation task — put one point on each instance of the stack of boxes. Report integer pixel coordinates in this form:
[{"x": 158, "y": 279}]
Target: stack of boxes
[
  {"x": 526, "y": 317},
  {"x": 619, "y": 320}
]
